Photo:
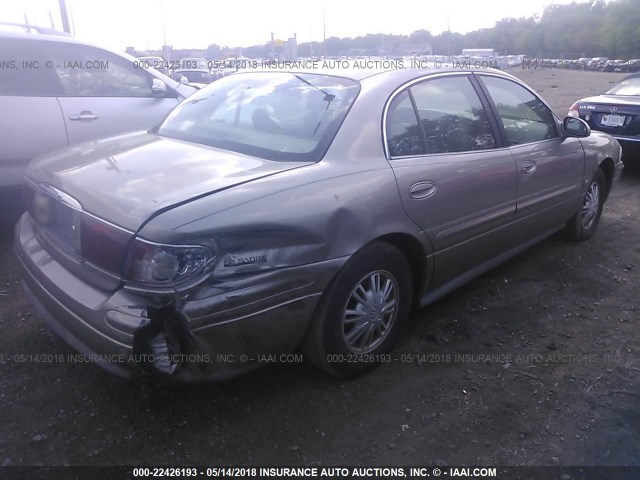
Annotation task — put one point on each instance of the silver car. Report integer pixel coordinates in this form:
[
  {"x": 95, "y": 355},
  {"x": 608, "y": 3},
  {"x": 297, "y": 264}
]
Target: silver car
[
  {"x": 273, "y": 211},
  {"x": 56, "y": 91}
]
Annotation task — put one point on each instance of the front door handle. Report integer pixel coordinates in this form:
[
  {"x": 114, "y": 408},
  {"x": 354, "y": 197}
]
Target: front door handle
[
  {"x": 86, "y": 115},
  {"x": 529, "y": 167},
  {"x": 422, "y": 189}
]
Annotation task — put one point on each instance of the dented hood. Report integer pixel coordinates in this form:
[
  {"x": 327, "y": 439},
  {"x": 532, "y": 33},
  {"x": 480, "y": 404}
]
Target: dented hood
[{"x": 128, "y": 178}]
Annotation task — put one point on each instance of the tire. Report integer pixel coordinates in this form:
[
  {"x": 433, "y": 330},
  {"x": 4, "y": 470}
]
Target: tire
[
  {"x": 348, "y": 337},
  {"x": 585, "y": 222}
]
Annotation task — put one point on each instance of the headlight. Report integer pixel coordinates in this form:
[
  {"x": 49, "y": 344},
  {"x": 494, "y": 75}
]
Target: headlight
[{"x": 157, "y": 265}]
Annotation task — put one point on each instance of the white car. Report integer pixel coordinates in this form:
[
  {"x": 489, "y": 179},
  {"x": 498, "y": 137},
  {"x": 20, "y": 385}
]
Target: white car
[{"x": 57, "y": 91}]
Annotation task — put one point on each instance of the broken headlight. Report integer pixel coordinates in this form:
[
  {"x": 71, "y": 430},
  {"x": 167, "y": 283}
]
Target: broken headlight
[{"x": 157, "y": 265}]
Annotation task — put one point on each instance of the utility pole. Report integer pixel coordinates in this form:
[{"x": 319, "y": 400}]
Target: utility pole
[
  {"x": 164, "y": 49},
  {"x": 448, "y": 38}
]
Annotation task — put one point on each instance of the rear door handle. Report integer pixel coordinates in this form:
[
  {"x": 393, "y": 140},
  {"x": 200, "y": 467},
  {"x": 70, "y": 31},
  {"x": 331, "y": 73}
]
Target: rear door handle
[
  {"x": 86, "y": 115},
  {"x": 422, "y": 189},
  {"x": 529, "y": 167}
]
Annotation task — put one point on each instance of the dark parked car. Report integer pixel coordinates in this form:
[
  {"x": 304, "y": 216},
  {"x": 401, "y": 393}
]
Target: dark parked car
[
  {"x": 277, "y": 210},
  {"x": 616, "y": 112}
]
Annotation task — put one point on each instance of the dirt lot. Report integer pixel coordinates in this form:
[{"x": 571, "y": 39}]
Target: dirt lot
[{"x": 535, "y": 363}]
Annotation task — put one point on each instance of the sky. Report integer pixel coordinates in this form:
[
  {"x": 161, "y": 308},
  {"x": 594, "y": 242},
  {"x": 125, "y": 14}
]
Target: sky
[{"x": 239, "y": 23}]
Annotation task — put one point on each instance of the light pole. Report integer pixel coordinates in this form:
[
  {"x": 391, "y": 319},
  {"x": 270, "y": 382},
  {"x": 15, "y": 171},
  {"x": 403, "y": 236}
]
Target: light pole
[
  {"x": 324, "y": 29},
  {"x": 165, "y": 49}
]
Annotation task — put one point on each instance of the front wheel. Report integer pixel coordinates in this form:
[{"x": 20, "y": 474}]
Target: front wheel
[
  {"x": 360, "y": 316},
  {"x": 584, "y": 223}
]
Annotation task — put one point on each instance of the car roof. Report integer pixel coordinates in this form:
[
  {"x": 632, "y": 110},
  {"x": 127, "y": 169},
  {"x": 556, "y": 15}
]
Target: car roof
[
  {"x": 396, "y": 74},
  {"x": 22, "y": 29},
  {"x": 52, "y": 36}
]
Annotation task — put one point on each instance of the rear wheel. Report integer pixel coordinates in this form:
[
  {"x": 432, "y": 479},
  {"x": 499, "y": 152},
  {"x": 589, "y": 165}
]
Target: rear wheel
[
  {"x": 360, "y": 316},
  {"x": 584, "y": 223}
]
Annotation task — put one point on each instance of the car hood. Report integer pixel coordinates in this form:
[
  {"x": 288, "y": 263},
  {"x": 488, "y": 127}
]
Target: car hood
[
  {"x": 613, "y": 99},
  {"x": 128, "y": 178}
]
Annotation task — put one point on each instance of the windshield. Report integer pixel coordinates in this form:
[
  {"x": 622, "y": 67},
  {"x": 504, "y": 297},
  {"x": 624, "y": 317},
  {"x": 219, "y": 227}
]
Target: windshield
[
  {"x": 630, "y": 86},
  {"x": 276, "y": 116}
]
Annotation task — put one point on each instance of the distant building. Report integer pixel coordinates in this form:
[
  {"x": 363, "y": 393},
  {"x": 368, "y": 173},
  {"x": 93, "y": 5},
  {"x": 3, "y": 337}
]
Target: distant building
[
  {"x": 479, "y": 52},
  {"x": 283, "y": 50},
  {"x": 291, "y": 47}
]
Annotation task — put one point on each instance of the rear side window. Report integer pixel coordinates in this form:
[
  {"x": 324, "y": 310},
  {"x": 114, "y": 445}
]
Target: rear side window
[
  {"x": 84, "y": 71},
  {"x": 525, "y": 118},
  {"x": 403, "y": 132},
  {"x": 452, "y": 116},
  {"x": 23, "y": 70}
]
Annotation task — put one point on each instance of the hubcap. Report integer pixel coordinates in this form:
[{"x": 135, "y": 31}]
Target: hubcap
[
  {"x": 370, "y": 312},
  {"x": 591, "y": 205}
]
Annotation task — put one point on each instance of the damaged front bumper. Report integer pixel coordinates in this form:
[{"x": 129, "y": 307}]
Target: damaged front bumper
[{"x": 216, "y": 331}]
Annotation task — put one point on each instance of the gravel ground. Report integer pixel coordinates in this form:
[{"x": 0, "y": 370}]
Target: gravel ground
[{"x": 535, "y": 363}]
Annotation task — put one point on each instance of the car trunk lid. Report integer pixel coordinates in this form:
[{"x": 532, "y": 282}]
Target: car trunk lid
[
  {"x": 614, "y": 114},
  {"x": 90, "y": 200},
  {"x": 127, "y": 179}
]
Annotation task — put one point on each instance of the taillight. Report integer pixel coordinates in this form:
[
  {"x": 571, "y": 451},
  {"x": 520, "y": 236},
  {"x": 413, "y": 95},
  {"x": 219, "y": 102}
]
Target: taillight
[
  {"x": 139, "y": 262},
  {"x": 157, "y": 265},
  {"x": 102, "y": 244},
  {"x": 574, "y": 111}
]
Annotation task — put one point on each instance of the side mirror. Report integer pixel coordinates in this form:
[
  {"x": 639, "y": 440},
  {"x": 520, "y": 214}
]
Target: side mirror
[
  {"x": 576, "y": 127},
  {"x": 158, "y": 87}
]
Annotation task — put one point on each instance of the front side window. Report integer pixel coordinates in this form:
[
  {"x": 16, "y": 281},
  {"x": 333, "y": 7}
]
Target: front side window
[
  {"x": 277, "y": 116},
  {"x": 525, "y": 118},
  {"x": 90, "y": 72},
  {"x": 452, "y": 116}
]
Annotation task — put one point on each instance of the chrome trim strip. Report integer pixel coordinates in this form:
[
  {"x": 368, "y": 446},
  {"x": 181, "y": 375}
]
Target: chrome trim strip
[
  {"x": 628, "y": 139},
  {"x": 61, "y": 196},
  {"x": 444, "y": 154}
]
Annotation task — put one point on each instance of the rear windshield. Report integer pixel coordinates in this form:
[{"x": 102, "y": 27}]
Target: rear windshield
[
  {"x": 272, "y": 115},
  {"x": 630, "y": 86}
]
